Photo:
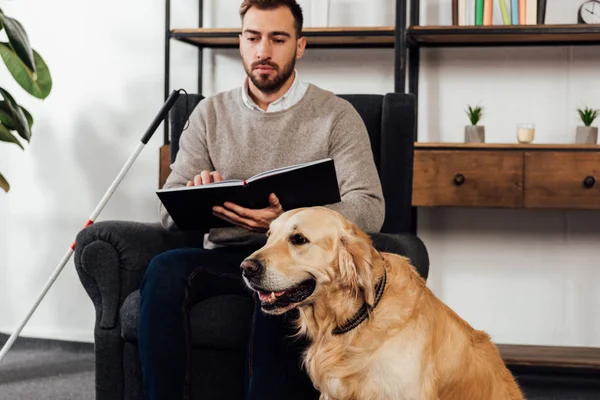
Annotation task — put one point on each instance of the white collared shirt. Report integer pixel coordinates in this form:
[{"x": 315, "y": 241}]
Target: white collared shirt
[{"x": 291, "y": 97}]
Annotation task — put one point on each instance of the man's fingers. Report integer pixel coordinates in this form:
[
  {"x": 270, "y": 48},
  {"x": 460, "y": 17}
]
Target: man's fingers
[
  {"x": 273, "y": 200},
  {"x": 239, "y": 210},
  {"x": 197, "y": 180},
  {"x": 232, "y": 217},
  {"x": 216, "y": 176},
  {"x": 190, "y": 183},
  {"x": 206, "y": 177}
]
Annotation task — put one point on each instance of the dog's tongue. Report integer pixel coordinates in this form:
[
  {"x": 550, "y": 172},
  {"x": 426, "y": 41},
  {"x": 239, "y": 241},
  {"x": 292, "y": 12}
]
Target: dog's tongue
[{"x": 269, "y": 296}]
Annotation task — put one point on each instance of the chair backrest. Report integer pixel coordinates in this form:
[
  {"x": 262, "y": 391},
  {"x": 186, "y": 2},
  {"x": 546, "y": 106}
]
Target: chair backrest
[{"x": 390, "y": 122}]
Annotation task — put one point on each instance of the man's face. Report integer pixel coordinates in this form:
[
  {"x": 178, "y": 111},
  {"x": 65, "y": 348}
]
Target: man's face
[{"x": 269, "y": 47}]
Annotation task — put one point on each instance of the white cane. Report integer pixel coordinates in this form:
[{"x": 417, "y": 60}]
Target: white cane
[{"x": 157, "y": 120}]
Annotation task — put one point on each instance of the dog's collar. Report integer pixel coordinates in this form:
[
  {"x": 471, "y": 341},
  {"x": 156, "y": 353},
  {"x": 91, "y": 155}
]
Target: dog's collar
[{"x": 364, "y": 311}]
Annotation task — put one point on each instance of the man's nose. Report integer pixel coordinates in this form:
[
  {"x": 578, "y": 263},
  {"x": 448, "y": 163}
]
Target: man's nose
[
  {"x": 251, "y": 267},
  {"x": 264, "y": 49}
]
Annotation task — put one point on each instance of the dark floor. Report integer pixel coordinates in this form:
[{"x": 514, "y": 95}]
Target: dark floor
[
  {"x": 558, "y": 385},
  {"x": 35, "y": 370}
]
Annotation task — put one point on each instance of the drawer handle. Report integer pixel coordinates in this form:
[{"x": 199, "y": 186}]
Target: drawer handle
[
  {"x": 589, "y": 182},
  {"x": 459, "y": 179}
]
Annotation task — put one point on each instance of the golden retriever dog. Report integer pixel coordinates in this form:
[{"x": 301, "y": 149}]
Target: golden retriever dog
[{"x": 376, "y": 331}]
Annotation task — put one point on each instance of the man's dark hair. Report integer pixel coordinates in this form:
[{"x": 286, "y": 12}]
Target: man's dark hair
[{"x": 273, "y": 4}]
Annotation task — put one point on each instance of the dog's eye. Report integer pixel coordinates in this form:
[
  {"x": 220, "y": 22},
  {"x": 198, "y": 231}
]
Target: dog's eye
[{"x": 298, "y": 240}]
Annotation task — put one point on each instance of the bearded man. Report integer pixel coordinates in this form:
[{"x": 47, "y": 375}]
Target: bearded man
[{"x": 273, "y": 120}]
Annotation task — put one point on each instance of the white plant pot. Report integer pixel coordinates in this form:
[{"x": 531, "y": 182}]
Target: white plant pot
[
  {"x": 474, "y": 134},
  {"x": 586, "y": 135}
]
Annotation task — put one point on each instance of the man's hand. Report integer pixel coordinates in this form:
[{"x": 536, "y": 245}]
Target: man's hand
[
  {"x": 253, "y": 220},
  {"x": 205, "y": 177}
]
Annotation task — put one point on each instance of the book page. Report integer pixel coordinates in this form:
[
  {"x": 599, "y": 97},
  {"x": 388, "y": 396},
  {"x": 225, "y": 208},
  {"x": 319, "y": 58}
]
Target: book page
[
  {"x": 223, "y": 183},
  {"x": 285, "y": 169}
]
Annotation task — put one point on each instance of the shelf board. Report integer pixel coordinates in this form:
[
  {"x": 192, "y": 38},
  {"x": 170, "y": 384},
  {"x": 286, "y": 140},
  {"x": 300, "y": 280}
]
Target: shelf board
[
  {"x": 343, "y": 37},
  {"x": 502, "y": 35},
  {"x": 505, "y": 146},
  {"x": 550, "y": 356}
]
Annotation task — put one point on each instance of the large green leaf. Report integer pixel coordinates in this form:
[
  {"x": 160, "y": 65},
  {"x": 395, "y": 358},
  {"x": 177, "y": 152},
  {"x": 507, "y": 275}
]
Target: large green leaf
[
  {"x": 6, "y": 136},
  {"x": 4, "y": 183},
  {"x": 19, "y": 120},
  {"x": 7, "y": 118},
  {"x": 38, "y": 85},
  {"x": 18, "y": 40}
]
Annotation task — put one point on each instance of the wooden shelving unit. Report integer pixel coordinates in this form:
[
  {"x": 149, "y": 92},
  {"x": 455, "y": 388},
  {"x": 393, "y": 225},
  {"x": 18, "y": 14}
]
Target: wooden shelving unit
[
  {"x": 338, "y": 37},
  {"x": 564, "y": 357},
  {"x": 551, "y": 176},
  {"x": 500, "y": 35},
  {"x": 505, "y": 146}
]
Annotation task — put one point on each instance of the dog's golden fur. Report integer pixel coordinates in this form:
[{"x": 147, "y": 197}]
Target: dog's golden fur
[{"x": 412, "y": 346}]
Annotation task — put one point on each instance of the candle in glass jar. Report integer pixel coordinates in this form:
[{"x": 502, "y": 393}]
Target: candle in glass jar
[{"x": 525, "y": 133}]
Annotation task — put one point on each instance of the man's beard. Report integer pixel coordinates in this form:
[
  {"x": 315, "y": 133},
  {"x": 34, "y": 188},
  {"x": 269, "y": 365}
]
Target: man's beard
[{"x": 267, "y": 84}]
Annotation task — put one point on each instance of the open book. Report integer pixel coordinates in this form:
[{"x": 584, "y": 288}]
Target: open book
[{"x": 302, "y": 185}]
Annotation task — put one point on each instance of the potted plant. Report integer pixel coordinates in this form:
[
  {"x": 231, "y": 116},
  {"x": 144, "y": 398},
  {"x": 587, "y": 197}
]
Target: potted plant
[
  {"x": 587, "y": 134},
  {"x": 30, "y": 71},
  {"x": 474, "y": 133}
]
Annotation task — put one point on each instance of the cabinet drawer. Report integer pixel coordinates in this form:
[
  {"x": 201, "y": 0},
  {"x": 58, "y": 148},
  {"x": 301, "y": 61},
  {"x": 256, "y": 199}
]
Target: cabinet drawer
[
  {"x": 468, "y": 178},
  {"x": 567, "y": 180}
]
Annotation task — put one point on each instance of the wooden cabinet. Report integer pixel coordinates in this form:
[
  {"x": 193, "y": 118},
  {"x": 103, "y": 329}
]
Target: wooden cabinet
[
  {"x": 566, "y": 179},
  {"x": 449, "y": 178},
  {"x": 506, "y": 176}
]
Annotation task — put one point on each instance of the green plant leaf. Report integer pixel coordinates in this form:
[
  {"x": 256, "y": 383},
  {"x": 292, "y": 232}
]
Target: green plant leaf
[
  {"x": 18, "y": 40},
  {"x": 4, "y": 183},
  {"x": 7, "y": 119},
  {"x": 38, "y": 85},
  {"x": 474, "y": 114},
  {"x": 6, "y": 136},
  {"x": 19, "y": 121}
]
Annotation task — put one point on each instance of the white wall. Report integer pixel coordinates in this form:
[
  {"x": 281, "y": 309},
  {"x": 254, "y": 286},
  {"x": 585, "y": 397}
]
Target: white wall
[{"x": 523, "y": 276}]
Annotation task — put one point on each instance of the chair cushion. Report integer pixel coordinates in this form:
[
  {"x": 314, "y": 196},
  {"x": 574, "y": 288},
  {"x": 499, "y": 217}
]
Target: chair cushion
[{"x": 220, "y": 322}]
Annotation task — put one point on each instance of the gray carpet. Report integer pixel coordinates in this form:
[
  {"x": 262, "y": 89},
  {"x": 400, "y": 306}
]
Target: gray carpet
[
  {"x": 39, "y": 369},
  {"x": 35, "y": 370}
]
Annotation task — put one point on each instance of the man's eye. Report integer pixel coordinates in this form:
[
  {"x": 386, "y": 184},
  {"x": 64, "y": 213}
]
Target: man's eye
[
  {"x": 252, "y": 39},
  {"x": 298, "y": 240},
  {"x": 279, "y": 41}
]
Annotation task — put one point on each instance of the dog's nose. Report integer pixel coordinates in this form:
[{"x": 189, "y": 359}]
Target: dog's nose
[{"x": 251, "y": 267}]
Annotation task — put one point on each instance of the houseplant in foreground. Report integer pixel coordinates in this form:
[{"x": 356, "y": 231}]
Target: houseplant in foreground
[
  {"x": 587, "y": 134},
  {"x": 474, "y": 133},
  {"x": 30, "y": 71}
]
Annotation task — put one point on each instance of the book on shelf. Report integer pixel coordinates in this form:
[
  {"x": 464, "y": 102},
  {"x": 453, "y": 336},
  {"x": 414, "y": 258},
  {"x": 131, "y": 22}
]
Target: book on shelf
[
  {"x": 498, "y": 12},
  {"x": 301, "y": 185}
]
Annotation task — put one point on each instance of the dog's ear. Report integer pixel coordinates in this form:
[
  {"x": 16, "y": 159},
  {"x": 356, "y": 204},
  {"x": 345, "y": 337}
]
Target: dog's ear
[{"x": 355, "y": 260}]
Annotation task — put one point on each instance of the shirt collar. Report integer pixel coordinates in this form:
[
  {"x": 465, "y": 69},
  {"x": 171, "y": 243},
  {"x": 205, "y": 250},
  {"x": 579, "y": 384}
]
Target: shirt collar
[{"x": 277, "y": 105}]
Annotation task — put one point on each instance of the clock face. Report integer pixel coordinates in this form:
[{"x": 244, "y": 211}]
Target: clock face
[{"x": 589, "y": 12}]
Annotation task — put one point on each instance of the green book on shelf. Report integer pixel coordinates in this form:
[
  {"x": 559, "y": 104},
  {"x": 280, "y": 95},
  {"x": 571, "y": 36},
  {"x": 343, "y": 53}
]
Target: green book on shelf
[
  {"x": 504, "y": 11},
  {"x": 479, "y": 12}
]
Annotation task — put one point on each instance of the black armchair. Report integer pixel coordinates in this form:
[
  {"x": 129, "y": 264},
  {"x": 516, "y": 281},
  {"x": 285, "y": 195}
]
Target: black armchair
[{"x": 111, "y": 258}]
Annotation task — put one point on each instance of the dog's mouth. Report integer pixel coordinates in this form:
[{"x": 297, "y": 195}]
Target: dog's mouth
[{"x": 273, "y": 300}]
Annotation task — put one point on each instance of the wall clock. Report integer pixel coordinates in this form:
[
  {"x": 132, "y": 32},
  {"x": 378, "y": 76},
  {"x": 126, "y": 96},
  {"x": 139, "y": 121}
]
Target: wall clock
[{"x": 589, "y": 13}]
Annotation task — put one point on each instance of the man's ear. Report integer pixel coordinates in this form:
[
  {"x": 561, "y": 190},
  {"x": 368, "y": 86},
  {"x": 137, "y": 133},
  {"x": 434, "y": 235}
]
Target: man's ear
[
  {"x": 300, "y": 47},
  {"x": 355, "y": 260}
]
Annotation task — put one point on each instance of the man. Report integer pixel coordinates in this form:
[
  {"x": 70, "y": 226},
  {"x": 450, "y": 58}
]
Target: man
[{"x": 273, "y": 120}]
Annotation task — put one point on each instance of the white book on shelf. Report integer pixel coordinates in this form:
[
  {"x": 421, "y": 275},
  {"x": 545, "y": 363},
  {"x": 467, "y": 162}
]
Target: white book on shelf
[
  {"x": 531, "y": 12},
  {"x": 469, "y": 12},
  {"x": 462, "y": 12}
]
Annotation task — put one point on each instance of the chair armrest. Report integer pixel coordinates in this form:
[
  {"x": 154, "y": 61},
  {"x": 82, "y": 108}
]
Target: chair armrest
[
  {"x": 404, "y": 244},
  {"x": 111, "y": 258}
]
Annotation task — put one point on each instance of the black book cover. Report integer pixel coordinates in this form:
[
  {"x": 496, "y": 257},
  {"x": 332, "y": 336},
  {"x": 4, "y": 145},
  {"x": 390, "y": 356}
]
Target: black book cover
[{"x": 303, "y": 185}]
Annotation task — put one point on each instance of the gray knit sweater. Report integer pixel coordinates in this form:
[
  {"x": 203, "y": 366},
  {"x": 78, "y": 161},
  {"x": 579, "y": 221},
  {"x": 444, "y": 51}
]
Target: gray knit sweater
[{"x": 227, "y": 136}]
